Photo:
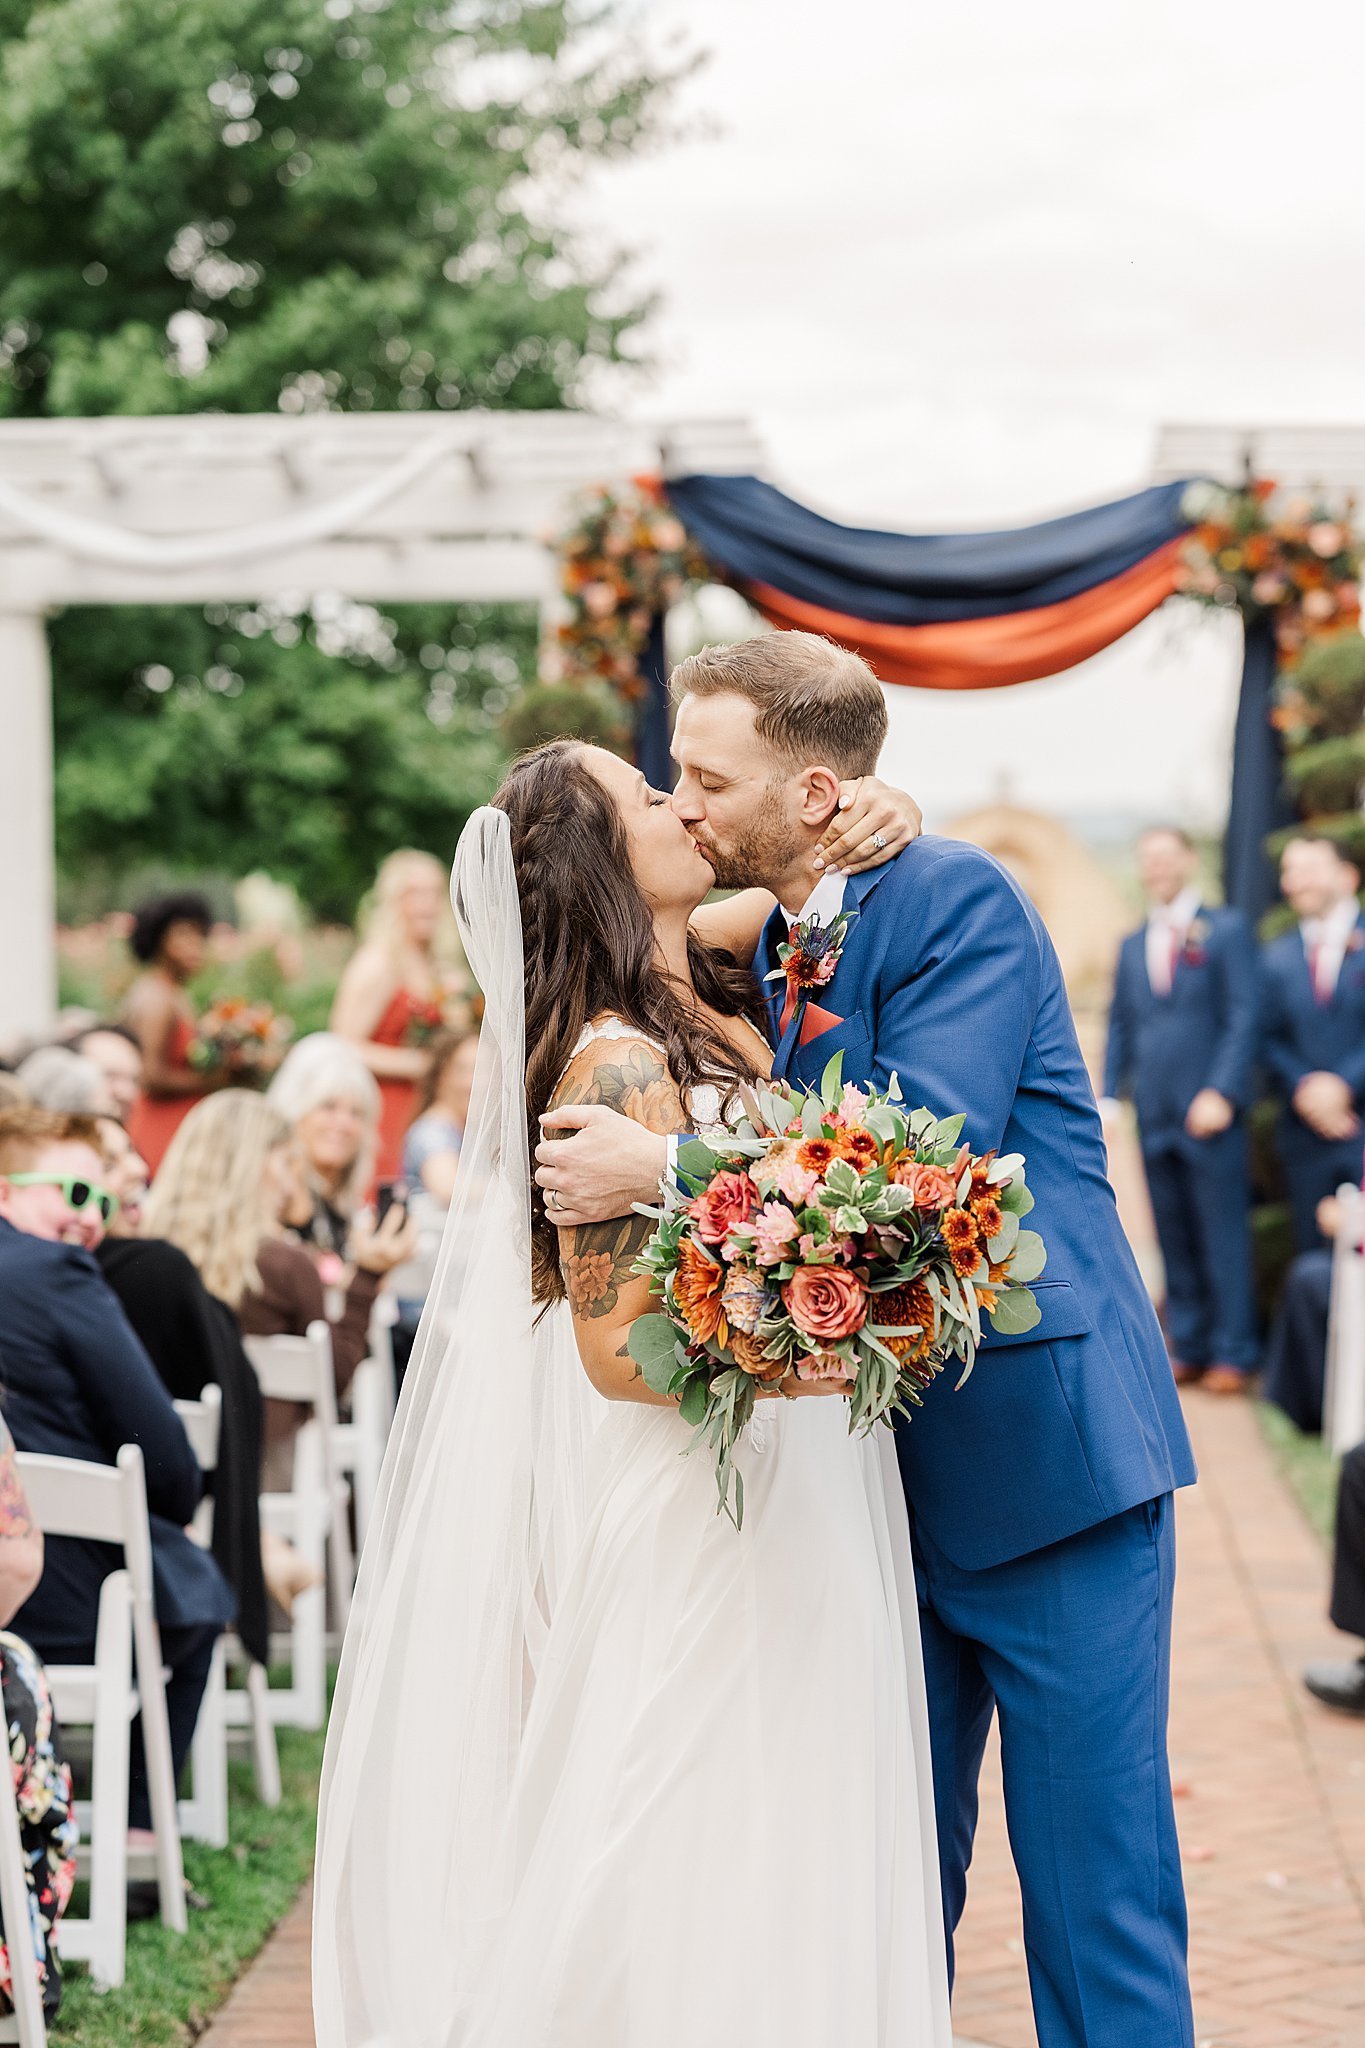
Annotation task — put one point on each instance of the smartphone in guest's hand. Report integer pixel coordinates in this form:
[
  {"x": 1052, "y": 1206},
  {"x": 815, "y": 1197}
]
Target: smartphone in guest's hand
[{"x": 390, "y": 1194}]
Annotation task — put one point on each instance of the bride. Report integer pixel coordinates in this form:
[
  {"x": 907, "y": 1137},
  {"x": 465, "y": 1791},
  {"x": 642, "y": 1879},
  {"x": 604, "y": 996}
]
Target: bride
[{"x": 602, "y": 1771}]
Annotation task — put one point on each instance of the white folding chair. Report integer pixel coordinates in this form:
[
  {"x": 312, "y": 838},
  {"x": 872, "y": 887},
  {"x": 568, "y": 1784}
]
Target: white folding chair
[
  {"x": 108, "y": 1504},
  {"x": 311, "y": 1516},
  {"x": 1343, "y": 1394},
  {"x": 25, "y": 2024}
]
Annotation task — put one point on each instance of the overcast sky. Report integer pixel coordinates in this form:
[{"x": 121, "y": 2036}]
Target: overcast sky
[{"x": 958, "y": 264}]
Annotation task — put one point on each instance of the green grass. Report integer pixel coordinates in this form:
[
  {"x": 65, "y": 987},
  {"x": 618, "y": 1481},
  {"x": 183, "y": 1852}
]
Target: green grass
[
  {"x": 1307, "y": 1465},
  {"x": 174, "y": 1982}
]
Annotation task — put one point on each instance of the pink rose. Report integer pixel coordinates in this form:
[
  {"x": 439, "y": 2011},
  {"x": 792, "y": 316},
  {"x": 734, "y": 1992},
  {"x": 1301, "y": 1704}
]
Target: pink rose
[
  {"x": 931, "y": 1187},
  {"x": 1325, "y": 539},
  {"x": 774, "y": 1231},
  {"x": 729, "y": 1199},
  {"x": 827, "y": 1302}
]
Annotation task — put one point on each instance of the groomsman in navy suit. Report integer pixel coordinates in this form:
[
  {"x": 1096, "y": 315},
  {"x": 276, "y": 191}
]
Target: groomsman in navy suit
[
  {"x": 1313, "y": 1001},
  {"x": 1182, "y": 1043}
]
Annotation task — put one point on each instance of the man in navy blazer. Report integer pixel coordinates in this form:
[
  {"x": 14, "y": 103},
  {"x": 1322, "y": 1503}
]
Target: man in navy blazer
[
  {"x": 1182, "y": 1045},
  {"x": 1313, "y": 1042},
  {"x": 78, "y": 1384},
  {"x": 1038, "y": 1495}
]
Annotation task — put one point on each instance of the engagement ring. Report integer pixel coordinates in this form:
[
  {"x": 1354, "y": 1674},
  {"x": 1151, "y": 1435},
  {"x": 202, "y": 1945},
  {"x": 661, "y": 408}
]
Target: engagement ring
[{"x": 879, "y": 842}]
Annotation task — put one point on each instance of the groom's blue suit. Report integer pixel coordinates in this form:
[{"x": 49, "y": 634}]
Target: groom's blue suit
[{"x": 1039, "y": 1495}]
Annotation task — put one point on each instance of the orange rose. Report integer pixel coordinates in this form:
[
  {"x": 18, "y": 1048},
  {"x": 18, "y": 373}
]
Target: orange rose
[
  {"x": 730, "y": 1199},
  {"x": 827, "y": 1302},
  {"x": 931, "y": 1187},
  {"x": 751, "y": 1357}
]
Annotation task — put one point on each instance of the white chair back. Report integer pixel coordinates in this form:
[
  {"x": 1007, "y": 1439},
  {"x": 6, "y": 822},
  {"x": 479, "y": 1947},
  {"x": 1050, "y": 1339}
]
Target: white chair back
[
  {"x": 203, "y": 1420},
  {"x": 311, "y": 1515},
  {"x": 1343, "y": 1398},
  {"x": 108, "y": 1504},
  {"x": 26, "y": 2024}
]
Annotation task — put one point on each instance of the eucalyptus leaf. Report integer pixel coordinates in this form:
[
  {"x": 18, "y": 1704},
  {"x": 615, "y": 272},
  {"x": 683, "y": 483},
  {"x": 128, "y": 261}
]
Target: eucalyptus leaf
[
  {"x": 1028, "y": 1258},
  {"x": 695, "y": 1402},
  {"x": 1015, "y": 1313}
]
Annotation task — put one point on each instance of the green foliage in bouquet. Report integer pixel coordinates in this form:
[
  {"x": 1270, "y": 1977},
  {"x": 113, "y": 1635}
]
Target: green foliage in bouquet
[{"x": 831, "y": 1235}]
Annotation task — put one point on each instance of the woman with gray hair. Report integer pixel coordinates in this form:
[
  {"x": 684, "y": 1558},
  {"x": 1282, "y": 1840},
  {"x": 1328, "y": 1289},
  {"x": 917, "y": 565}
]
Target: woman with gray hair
[
  {"x": 54, "y": 1077},
  {"x": 330, "y": 1100}
]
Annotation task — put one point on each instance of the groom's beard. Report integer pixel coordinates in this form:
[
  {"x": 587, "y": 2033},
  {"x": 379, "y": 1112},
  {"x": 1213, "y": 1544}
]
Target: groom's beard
[{"x": 767, "y": 848}]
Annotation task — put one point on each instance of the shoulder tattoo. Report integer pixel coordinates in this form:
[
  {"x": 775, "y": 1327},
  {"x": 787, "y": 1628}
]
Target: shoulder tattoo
[{"x": 597, "y": 1257}]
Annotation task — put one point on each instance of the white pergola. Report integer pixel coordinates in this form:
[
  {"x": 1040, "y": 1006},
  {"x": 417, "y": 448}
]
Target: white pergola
[{"x": 388, "y": 507}]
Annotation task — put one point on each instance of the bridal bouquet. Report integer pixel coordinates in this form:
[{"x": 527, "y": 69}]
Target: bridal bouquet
[
  {"x": 246, "y": 1040},
  {"x": 830, "y": 1234}
]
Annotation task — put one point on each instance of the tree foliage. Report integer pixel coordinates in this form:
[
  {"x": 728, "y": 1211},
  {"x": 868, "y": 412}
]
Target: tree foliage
[{"x": 302, "y": 205}]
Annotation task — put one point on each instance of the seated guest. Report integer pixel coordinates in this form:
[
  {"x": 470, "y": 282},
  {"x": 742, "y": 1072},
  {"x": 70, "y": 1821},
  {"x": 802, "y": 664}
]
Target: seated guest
[
  {"x": 170, "y": 940},
  {"x": 330, "y": 1100},
  {"x": 78, "y": 1384},
  {"x": 221, "y": 1196},
  {"x": 114, "y": 1049},
  {"x": 431, "y": 1149},
  {"x": 431, "y": 1159},
  {"x": 54, "y": 1077},
  {"x": 1313, "y": 983},
  {"x": 1343, "y": 1685},
  {"x": 42, "y": 1776},
  {"x": 193, "y": 1341},
  {"x": 1296, "y": 1355},
  {"x": 1182, "y": 1043}
]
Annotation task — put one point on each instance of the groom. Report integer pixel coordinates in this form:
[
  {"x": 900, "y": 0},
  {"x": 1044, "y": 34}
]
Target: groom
[{"x": 1040, "y": 1495}]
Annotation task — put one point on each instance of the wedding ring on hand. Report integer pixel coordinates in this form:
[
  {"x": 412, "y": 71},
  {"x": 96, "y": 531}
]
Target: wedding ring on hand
[
  {"x": 552, "y": 1200},
  {"x": 879, "y": 842}
]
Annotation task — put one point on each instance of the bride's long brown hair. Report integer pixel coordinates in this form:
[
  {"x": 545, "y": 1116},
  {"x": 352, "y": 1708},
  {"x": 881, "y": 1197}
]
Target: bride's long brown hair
[{"x": 589, "y": 943}]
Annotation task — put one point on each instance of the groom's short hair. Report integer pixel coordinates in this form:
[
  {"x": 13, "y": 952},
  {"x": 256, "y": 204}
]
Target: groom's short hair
[{"x": 813, "y": 701}]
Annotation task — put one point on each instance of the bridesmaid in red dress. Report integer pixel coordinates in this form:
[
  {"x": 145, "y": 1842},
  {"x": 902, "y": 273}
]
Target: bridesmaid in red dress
[
  {"x": 398, "y": 990},
  {"x": 169, "y": 937}
]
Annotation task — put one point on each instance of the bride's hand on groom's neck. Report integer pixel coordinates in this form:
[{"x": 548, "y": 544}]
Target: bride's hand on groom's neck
[{"x": 869, "y": 809}]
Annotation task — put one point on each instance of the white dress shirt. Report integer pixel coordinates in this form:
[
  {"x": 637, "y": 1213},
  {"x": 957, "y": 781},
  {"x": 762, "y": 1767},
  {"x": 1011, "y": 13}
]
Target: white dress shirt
[
  {"x": 1325, "y": 940},
  {"x": 825, "y": 901},
  {"x": 1168, "y": 926}
]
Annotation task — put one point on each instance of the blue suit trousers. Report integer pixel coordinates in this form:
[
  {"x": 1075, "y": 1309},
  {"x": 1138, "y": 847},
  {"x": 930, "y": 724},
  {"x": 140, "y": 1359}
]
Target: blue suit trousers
[
  {"x": 1071, "y": 1646},
  {"x": 1201, "y": 1202}
]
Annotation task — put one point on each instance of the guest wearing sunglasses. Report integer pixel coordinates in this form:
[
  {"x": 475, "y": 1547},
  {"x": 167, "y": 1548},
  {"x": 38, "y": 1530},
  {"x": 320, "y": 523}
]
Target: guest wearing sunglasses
[{"x": 78, "y": 1384}]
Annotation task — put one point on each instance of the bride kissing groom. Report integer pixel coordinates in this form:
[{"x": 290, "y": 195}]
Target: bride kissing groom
[{"x": 684, "y": 1785}]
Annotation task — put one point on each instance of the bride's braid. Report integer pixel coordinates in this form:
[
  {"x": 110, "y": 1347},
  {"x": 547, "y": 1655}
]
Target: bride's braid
[{"x": 589, "y": 947}]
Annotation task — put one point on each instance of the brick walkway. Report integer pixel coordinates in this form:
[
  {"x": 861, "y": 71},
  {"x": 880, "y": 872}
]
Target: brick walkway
[{"x": 1272, "y": 1806}]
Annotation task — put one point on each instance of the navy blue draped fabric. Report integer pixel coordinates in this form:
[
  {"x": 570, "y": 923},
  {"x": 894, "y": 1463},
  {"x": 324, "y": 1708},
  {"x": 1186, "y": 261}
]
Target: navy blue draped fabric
[
  {"x": 652, "y": 723},
  {"x": 1260, "y": 802},
  {"x": 761, "y": 536}
]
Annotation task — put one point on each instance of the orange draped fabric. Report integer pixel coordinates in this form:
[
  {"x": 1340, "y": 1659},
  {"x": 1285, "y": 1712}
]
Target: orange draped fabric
[{"x": 983, "y": 654}]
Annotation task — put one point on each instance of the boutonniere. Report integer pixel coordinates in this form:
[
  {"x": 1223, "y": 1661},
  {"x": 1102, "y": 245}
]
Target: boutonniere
[
  {"x": 1194, "y": 952},
  {"x": 808, "y": 960}
]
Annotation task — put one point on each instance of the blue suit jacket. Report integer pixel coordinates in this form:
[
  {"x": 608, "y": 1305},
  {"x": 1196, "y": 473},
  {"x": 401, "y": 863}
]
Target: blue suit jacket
[
  {"x": 1303, "y": 1036},
  {"x": 949, "y": 980},
  {"x": 1163, "y": 1049},
  {"x": 78, "y": 1384}
]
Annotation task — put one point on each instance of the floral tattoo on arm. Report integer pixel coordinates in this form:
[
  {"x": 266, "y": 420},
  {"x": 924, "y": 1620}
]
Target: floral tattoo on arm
[{"x": 597, "y": 1258}]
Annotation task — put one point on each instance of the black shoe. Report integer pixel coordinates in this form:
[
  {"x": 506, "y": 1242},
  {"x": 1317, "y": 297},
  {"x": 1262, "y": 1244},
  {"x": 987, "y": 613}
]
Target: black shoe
[{"x": 1338, "y": 1685}]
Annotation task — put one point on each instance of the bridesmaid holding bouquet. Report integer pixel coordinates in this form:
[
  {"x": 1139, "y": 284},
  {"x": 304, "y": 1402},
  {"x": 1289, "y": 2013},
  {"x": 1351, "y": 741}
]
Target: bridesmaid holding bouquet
[{"x": 400, "y": 988}]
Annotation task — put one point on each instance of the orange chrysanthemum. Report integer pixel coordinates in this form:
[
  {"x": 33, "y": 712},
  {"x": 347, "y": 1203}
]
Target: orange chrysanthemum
[
  {"x": 905, "y": 1307},
  {"x": 989, "y": 1216},
  {"x": 858, "y": 1147},
  {"x": 816, "y": 1154},
  {"x": 966, "y": 1259},
  {"x": 696, "y": 1288},
  {"x": 959, "y": 1229}
]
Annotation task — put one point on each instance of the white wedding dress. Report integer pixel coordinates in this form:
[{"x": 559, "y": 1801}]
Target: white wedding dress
[{"x": 709, "y": 1821}]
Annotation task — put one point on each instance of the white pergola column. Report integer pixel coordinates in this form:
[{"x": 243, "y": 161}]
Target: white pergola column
[{"x": 28, "y": 954}]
